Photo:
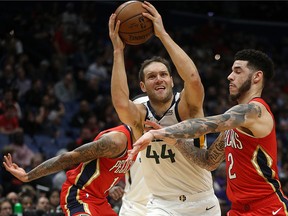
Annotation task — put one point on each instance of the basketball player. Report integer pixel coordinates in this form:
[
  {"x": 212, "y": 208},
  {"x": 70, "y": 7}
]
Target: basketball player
[
  {"x": 177, "y": 187},
  {"x": 101, "y": 164},
  {"x": 247, "y": 140},
  {"x": 133, "y": 202}
]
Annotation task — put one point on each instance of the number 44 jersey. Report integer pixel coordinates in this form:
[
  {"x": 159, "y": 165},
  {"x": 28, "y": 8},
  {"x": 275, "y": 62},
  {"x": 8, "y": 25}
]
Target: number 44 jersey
[{"x": 166, "y": 171}]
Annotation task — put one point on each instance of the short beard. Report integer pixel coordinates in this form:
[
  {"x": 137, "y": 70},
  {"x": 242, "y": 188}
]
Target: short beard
[{"x": 244, "y": 88}]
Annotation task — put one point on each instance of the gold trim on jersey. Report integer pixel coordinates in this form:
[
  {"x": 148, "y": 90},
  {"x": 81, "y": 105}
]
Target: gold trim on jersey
[
  {"x": 269, "y": 164},
  {"x": 94, "y": 176}
]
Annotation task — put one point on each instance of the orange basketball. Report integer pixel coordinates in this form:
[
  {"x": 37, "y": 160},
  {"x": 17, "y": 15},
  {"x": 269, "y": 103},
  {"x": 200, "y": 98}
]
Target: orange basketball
[{"x": 134, "y": 29}]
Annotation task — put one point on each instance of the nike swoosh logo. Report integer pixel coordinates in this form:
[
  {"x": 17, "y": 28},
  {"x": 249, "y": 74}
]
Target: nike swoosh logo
[
  {"x": 207, "y": 208},
  {"x": 275, "y": 212}
]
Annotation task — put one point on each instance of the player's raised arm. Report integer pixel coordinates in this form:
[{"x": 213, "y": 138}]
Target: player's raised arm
[
  {"x": 125, "y": 108},
  {"x": 109, "y": 145},
  {"x": 193, "y": 93}
]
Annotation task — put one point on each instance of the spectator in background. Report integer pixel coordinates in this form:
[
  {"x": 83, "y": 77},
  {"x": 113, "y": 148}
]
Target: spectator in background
[
  {"x": 10, "y": 99},
  {"x": 5, "y": 207},
  {"x": 42, "y": 205},
  {"x": 12, "y": 197},
  {"x": 54, "y": 201},
  {"x": 27, "y": 203},
  {"x": 20, "y": 151},
  {"x": 33, "y": 97},
  {"x": 49, "y": 115},
  {"x": 65, "y": 90},
  {"x": 93, "y": 124},
  {"x": 23, "y": 83},
  {"x": 9, "y": 122},
  {"x": 82, "y": 115},
  {"x": 8, "y": 78}
]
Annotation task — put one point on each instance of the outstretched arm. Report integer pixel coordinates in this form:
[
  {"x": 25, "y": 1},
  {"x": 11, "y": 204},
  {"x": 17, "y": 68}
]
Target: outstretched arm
[
  {"x": 241, "y": 115},
  {"x": 109, "y": 145}
]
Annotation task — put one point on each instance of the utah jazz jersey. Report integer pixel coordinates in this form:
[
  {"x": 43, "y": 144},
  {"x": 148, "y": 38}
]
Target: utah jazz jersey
[{"x": 166, "y": 171}]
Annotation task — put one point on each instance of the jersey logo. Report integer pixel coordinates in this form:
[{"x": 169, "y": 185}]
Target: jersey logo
[
  {"x": 182, "y": 198},
  {"x": 275, "y": 212},
  {"x": 208, "y": 208}
]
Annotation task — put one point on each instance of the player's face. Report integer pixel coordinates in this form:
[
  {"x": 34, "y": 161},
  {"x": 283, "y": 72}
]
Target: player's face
[
  {"x": 240, "y": 80},
  {"x": 158, "y": 83}
]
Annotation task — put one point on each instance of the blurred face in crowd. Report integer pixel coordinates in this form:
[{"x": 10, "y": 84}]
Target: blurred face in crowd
[
  {"x": 54, "y": 199},
  {"x": 12, "y": 197},
  {"x": 43, "y": 204},
  {"x": 6, "y": 208},
  {"x": 27, "y": 203}
]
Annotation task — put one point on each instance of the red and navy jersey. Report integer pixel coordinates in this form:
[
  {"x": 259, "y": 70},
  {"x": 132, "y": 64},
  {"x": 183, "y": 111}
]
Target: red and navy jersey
[
  {"x": 93, "y": 179},
  {"x": 251, "y": 165}
]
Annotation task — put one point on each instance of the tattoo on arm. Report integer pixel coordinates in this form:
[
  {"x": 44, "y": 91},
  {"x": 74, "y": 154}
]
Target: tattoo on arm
[
  {"x": 103, "y": 147},
  {"x": 193, "y": 128},
  {"x": 206, "y": 159}
]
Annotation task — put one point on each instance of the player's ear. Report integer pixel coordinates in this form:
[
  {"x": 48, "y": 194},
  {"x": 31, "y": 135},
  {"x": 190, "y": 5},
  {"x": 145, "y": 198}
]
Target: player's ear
[
  {"x": 257, "y": 76},
  {"x": 142, "y": 86}
]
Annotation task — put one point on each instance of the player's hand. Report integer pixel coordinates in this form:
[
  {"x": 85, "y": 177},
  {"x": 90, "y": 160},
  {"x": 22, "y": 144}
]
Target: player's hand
[
  {"x": 140, "y": 144},
  {"x": 150, "y": 125},
  {"x": 116, "y": 192},
  {"x": 113, "y": 33},
  {"x": 155, "y": 17},
  {"x": 13, "y": 168}
]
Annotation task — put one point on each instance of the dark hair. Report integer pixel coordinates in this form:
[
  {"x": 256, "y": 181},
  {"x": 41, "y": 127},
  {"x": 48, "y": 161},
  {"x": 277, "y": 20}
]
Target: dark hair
[
  {"x": 257, "y": 60},
  {"x": 149, "y": 61}
]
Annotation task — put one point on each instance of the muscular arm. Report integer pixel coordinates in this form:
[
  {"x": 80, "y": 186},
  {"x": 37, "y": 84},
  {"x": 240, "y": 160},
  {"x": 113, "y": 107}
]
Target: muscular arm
[
  {"x": 206, "y": 159},
  {"x": 127, "y": 111},
  {"x": 110, "y": 145},
  {"x": 193, "y": 89},
  {"x": 248, "y": 116},
  {"x": 241, "y": 115}
]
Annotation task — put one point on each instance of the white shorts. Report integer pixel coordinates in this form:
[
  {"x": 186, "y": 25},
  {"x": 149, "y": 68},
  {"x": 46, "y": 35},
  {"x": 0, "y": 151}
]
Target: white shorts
[
  {"x": 130, "y": 208},
  {"x": 202, "y": 204}
]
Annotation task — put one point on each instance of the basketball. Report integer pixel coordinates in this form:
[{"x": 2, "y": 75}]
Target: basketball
[{"x": 134, "y": 28}]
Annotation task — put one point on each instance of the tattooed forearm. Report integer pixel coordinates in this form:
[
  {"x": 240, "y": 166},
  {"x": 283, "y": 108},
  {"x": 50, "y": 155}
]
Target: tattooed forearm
[
  {"x": 207, "y": 159},
  {"x": 193, "y": 128},
  {"x": 108, "y": 146}
]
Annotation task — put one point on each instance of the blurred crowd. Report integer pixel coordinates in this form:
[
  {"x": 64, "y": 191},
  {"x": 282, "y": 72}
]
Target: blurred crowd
[{"x": 55, "y": 67}]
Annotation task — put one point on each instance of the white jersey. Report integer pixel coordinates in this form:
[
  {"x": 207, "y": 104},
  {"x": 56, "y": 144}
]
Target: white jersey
[
  {"x": 166, "y": 172},
  {"x": 136, "y": 193}
]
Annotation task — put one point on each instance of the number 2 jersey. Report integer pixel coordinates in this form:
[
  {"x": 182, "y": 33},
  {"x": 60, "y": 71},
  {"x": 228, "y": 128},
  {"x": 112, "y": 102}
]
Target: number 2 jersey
[
  {"x": 93, "y": 179},
  {"x": 251, "y": 165},
  {"x": 166, "y": 172}
]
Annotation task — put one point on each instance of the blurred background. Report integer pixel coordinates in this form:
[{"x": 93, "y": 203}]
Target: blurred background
[{"x": 55, "y": 69}]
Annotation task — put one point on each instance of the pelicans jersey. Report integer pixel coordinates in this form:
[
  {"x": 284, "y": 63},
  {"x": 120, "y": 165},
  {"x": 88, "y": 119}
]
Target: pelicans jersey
[
  {"x": 252, "y": 175},
  {"x": 169, "y": 176},
  {"x": 87, "y": 186}
]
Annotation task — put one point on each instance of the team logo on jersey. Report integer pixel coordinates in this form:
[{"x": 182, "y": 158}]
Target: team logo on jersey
[
  {"x": 169, "y": 112},
  {"x": 232, "y": 140},
  {"x": 121, "y": 166},
  {"x": 182, "y": 198}
]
